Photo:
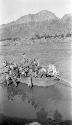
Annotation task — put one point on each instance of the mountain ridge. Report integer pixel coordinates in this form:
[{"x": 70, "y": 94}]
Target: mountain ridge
[
  {"x": 67, "y": 18},
  {"x": 28, "y": 25},
  {"x": 38, "y": 17},
  {"x": 29, "y": 17}
]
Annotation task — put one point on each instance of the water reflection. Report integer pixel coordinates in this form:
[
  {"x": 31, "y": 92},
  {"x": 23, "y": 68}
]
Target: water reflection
[
  {"x": 23, "y": 95},
  {"x": 24, "y": 102}
]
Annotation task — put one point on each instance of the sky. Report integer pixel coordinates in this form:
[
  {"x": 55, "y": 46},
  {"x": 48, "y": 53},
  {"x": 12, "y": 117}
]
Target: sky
[{"x": 11, "y": 10}]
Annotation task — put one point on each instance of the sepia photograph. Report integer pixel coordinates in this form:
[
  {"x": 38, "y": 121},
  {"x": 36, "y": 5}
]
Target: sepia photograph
[{"x": 35, "y": 62}]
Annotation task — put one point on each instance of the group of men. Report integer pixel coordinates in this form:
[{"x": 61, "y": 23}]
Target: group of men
[{"x": 27, "y": 69}]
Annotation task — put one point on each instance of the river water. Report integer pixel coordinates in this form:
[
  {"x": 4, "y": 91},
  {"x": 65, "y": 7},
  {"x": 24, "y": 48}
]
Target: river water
[{"x": 24, "y": 102}]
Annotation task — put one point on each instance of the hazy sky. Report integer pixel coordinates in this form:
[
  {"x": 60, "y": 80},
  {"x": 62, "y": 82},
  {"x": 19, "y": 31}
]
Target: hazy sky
[{"x": 12, "y": 9}]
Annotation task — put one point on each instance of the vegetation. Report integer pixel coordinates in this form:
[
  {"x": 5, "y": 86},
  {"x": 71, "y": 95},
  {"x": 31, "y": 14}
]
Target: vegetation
[
  {"x": 10, "y": 38},
  {"x": 37, "y": 36}
]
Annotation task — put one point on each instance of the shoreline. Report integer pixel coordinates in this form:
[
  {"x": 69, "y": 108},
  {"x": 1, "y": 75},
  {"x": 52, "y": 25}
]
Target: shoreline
[{"x": 44, "y": 82}]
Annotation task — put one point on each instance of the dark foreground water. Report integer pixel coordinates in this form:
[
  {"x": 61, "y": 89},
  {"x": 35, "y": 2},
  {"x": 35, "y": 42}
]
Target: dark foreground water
[
  {"x": 19, "y": 121},
  {"x": 20, "y": 105}
]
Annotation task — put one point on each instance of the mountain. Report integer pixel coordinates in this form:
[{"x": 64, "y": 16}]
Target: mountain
[
  {"x": 38, "y": 17},
  {"x": 67, "y": 18},
  {"x": 42, "y": 23}
]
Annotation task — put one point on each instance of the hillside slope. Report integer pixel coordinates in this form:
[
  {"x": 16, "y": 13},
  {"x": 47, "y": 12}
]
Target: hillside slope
[
  {"x": 42, "y": 23},
  {"x": 38, "y": 17}
]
